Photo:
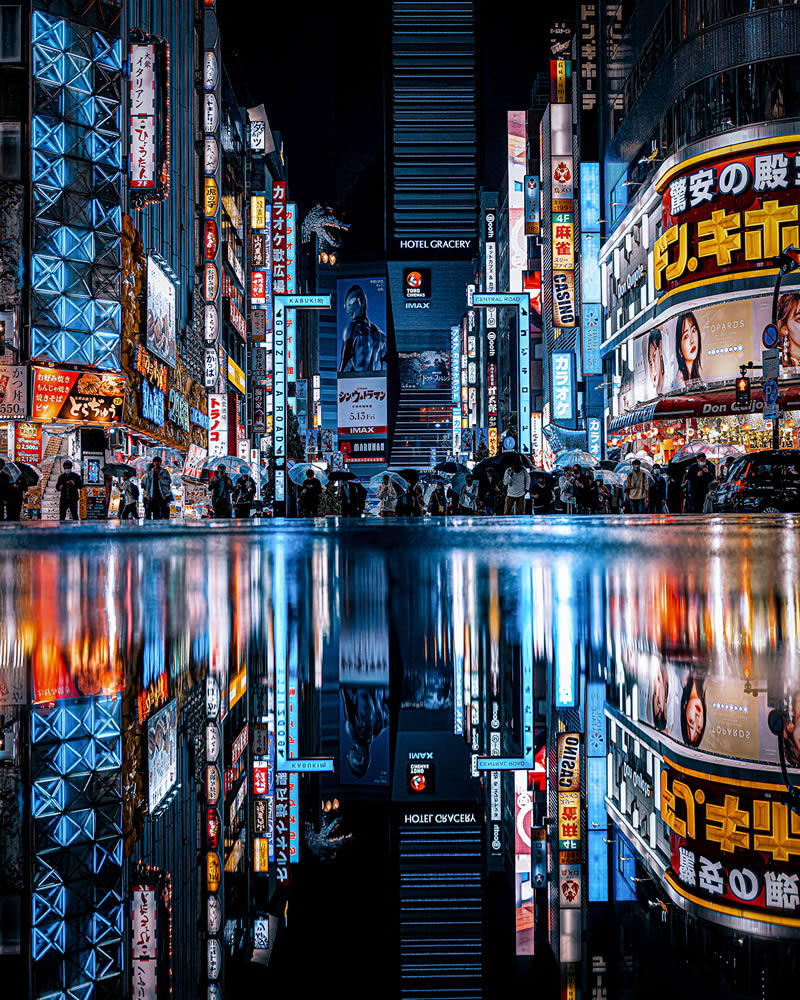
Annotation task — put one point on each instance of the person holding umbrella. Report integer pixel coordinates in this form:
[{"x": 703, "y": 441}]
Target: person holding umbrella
[
  {"x": 243, "y": 495},
  {"x": 387, "y": 496},
  {"x": 221, "y": 489},
  {"x": 129, "y": 503},
  {"x": 541, "y": 495},
  {"x": 310, "y": 494},
  {"x": 68, "y": 485},
  {"x": 696, "y": 482},
  {"x": 468, "y": 498},
  {"x": 157, "y": 491}
]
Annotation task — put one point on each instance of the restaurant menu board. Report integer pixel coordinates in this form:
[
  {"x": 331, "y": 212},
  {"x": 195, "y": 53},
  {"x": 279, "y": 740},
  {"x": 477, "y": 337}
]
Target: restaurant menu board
[
  {"x": 73, "y": 397},
  {"x": 95, "y": 503}
]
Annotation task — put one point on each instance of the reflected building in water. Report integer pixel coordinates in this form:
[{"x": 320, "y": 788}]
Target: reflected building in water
[{"x": 545, "y": 760}]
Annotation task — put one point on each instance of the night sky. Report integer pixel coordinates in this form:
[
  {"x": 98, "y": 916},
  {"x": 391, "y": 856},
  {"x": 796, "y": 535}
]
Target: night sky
[{"x": 317, "y": 68}]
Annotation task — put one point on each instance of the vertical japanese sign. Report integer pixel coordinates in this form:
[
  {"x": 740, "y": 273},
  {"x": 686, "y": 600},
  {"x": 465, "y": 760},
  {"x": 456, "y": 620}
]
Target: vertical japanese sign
[
  {"x": 532, "y": 222},
  {"x": 217, "y": 424},
  {"x": 592, "y": 311},
  {"x": 279, "y": 287},
  {"x": 490, "y": 320},
  {"x": 517, "y": 243},
  {"x": 291, "y": 314},
  {"x": 144, "y": 940},
  {"x": 524, "y": 314},
  {"x": 563, "y": 386},
  {"x": 588, "y": 37},
  {"x": 455, "y": 376},
  {"x": 214, "y": 378},
  {"x": 595, "y": 435},
  {"x": 143, "y": 116}
]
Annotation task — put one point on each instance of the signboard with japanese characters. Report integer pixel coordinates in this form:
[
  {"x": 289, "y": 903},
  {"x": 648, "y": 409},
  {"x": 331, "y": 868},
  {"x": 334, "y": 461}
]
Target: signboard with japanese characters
[
  {"x": 218, "y": 424},
  {"x": 735, "y": 847},
  {"x": 144, "y": 941},
  {"x": 74, "y": 397},
  {"x": 143, "y": 116},
  {"x": 563, "y": 389},
  {"x": 13, "y": 392},
  {"x": 569, "y": 820},
  {"x": 148, "y": 114},
  {"x": 728, "y": 214},
  {"x": 362, "y": 406}
]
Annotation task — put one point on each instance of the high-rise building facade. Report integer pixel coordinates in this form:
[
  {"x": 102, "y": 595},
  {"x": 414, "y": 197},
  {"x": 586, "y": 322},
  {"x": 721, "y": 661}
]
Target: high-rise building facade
[{"x": 431, "y": 205}]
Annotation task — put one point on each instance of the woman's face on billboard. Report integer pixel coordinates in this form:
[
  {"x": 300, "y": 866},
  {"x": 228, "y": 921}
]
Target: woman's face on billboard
[
  {"x": 690, "y": 340},
  {"x": 695, "y": 715},
  {"x": 790, "y": 328}
]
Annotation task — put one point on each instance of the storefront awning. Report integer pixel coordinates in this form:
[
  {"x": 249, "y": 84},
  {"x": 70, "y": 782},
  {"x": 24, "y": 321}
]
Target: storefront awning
[{"x": 703, "y": 404}]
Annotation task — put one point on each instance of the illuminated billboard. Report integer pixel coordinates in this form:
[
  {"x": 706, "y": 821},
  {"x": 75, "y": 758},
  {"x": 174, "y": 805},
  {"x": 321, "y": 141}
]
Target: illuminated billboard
[
  {"x": 563, "y": 386},
  {"x": 362, "y": 406},
  {"x": 517, "y": 243},
  {"x": 361, "y": 325},
  {"x": 707, "y": 342},
  {"x": 77, "y": 397},
  {"x": 362, "y": 346},
  {"x": 727, "y": 213},
  {"x": 162, "y": 734},
  {"x": 424, "y": 370},
  {"x": 734, "y": 846},
  {"x": 161, "y": 321}
]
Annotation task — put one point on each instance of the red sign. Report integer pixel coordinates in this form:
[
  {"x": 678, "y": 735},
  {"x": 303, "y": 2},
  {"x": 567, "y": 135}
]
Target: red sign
[
  {"x": 237, "y": 321},
  {"x": 74, "y": 397},
  {"x": 260, "y": 779},
  {"x": 258, "y": 286},
  {"x": 28, "y": 442},
  {"x": 212, "y": 241},
  {"x": 213, "y": 828}
]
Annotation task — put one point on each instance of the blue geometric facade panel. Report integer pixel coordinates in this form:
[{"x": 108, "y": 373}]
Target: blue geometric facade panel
[{"x": 77, "y": 163}]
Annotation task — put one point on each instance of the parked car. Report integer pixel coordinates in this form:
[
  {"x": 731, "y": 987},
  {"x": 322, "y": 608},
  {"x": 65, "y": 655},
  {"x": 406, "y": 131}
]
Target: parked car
[{"x": 766, "y": 482}]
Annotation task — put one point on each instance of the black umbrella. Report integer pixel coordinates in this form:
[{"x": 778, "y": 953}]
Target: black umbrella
[
  {"x": 27, "y": 473},
  {"x": 411, "y": 476},
  {"x": 117, "y": 469},
  {"x": 451, "y": 467},
  {"x": 341, "y": 476},
  {"x": 609, "y": 463}
]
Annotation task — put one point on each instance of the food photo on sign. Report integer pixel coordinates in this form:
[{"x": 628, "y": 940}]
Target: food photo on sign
[{"x": 74, "y": 397}]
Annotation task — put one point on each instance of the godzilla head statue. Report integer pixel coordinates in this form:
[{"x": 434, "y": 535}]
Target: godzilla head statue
[{"x": 322, "y": 220}]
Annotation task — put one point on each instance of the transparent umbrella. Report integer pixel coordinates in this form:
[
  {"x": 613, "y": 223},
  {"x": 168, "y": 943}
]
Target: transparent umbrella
[
  {"x": 713, "y": 452},
  {"x": 575, "y": 457},
  {"x": 298, "y": 473},
  {"x": 377, "y": 479}
]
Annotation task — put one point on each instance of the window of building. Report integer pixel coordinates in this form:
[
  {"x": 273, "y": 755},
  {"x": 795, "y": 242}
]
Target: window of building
[
  {"x": 10, "y": 151},
  {"x": 10, "y": 33}
]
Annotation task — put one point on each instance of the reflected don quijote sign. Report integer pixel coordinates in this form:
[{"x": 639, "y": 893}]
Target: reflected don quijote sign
[{"x": 735, "y": 847}]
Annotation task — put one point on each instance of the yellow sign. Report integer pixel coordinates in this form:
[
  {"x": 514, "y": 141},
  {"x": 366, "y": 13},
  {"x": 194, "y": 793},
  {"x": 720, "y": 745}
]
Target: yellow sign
[
  {"x": 258, "y": 212},
  {"x": 261, "y": 854},
  {"x": 213, "y": 871},
  {"x": 563, "y": 246},
  {"x": 211, "y": 197},
  {"x": 569, "y": 818},
  {"x": 236, "y": 375},
  {"x": 726, "y": 238}
]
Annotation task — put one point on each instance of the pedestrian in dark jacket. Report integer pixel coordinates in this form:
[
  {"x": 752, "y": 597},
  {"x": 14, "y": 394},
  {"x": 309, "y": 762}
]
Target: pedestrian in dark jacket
[
  {"x": 221, "y": 488},
  {"x": 157, "y": 491},
  {"x": 696, "y": 481},
  {"x": 129, "y": 501},
  {"x": 243, "y": 496},
  {"x": 69, "y": 485},
  {"x": 541, "y": 495},
  {"x": 310, "y": 494}
]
